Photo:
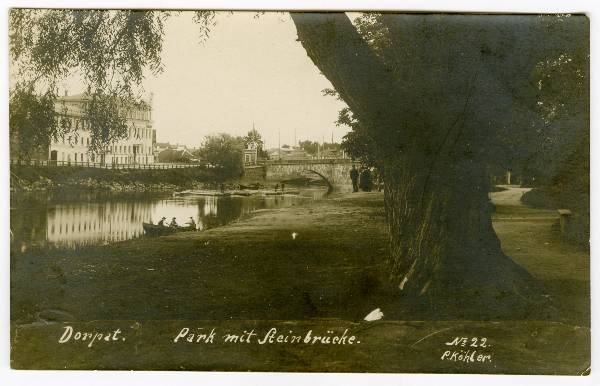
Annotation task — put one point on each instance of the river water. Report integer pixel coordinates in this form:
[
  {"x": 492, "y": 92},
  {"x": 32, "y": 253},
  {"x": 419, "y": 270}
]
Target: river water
[{"x": 75, "y": 219}]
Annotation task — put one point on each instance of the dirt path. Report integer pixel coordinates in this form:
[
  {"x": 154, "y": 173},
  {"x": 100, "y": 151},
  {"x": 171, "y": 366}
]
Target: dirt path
[
  {"x": 527, "y": 236},
  {"x": 510, "y": 196}
]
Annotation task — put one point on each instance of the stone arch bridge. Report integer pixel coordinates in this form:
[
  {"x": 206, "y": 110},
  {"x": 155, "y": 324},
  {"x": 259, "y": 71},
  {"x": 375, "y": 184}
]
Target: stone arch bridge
[{"x": 335, "y": 171}]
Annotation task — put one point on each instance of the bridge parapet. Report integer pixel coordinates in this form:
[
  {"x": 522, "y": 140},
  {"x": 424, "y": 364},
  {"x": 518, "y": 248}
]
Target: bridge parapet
[{"x": 310, "y": 161}]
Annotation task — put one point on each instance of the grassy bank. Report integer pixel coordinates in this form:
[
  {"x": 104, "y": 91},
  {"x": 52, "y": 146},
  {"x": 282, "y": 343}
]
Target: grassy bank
[{"x": 77, "y": 177}]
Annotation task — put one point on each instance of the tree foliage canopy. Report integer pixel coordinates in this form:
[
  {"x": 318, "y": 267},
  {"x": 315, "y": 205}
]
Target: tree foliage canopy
[
  {"x": 526, "y": 76},
  {"x": 111, "y": 50},
  {"x": 224, "y": 151},
  {"x": 313, "y": 147},
  {"x": 253, "y": 136}
]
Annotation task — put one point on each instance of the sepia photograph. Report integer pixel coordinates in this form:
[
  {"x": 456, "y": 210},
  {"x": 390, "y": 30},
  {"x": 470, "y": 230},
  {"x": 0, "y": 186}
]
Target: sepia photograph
[{"x": 299, "y": 191}]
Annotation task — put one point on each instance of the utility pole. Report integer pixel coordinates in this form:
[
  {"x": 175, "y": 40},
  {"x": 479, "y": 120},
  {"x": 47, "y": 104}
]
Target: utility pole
[
  {"x": 279, "y": 142},
  {"x": 295, "y": 139}
]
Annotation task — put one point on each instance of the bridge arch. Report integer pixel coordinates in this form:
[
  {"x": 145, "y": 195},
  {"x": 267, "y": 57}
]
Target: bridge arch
[
  {"x": 335, "y": 172},
  {"x": 329, "y": 185}
]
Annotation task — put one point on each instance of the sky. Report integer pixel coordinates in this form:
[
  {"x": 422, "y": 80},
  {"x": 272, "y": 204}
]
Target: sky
[{"x": 249, "y": 71}]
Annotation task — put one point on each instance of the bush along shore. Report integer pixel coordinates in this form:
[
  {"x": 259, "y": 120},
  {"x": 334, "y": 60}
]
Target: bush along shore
[
  {"x": 32, "y": 178},
  {"x": 577, "y": 231}
]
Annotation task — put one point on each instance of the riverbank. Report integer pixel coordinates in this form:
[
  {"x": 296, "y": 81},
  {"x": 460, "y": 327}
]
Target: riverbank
[
  {"x": 44, "y": 178},
  {"x": 320, "y": 266},
  {"x": 323, "y": 258},
  {"x": 255, "y": 264}
]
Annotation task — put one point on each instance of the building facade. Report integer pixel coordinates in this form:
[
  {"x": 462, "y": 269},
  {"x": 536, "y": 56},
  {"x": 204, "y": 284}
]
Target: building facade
[
  {"x": 138, "y": 146},
  {"x": 251, "y": 154}
]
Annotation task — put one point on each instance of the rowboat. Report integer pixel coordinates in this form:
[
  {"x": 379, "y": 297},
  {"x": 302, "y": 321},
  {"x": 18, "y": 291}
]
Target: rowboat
[
  {"x": 244, "y": 193},
  {"x": 279, "y": 192},
  {"x": 161, "y": 230},
  {"x": 214, "y": 193}
]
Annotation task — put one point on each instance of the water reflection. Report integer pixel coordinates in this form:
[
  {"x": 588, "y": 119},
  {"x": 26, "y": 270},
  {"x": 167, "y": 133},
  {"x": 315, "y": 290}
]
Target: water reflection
[{"x": 56, "y": 221}]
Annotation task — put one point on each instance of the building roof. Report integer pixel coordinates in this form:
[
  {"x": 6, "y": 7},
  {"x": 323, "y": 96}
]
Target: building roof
[
  {"x": 75, "y": 97},
  {"x": 84, "y": 97}
]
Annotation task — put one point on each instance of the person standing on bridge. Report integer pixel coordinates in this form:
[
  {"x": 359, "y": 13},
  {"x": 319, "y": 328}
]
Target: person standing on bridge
[
  {"x": 366, "y": 180},
  {"x": 354, "y": 178}
]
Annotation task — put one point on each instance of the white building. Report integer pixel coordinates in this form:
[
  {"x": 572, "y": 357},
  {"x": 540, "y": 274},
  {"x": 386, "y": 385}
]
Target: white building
[{"x": 138, "y": 147}]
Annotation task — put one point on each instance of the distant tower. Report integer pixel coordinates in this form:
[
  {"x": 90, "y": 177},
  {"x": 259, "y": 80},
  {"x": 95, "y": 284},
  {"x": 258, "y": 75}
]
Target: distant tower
[{"x": 251, "y": 154}]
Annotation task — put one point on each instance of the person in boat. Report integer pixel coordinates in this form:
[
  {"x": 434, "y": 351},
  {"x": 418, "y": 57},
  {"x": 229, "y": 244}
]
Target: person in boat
[
  {"x": 191, "y": 223},
  {"x": 162, "y": 222},
  {"x": 173, "y": 223}
]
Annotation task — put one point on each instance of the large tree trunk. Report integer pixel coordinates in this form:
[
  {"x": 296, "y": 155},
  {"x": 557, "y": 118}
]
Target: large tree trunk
[{"x": 445, "y": 257}]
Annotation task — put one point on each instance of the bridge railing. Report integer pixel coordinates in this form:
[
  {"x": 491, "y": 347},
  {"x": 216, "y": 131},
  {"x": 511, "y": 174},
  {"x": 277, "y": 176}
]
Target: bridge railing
[
  {"x": 308, "y": 161},
  {"x": 51, "y": 163}
]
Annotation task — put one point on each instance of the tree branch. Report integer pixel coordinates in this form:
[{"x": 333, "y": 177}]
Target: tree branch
[{"x": 358, "y": 75}]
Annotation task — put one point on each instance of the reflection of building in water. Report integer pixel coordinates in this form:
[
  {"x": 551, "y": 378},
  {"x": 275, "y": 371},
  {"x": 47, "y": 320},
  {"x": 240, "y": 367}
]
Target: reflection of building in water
[
  {"x": 78, "y": 225},
  {"x": 210, "y": 207}
]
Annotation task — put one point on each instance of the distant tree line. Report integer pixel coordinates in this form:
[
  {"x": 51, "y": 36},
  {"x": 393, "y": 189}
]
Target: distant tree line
[
  {"x": 224, "y": 152},
  {"x": 313, "y": 147}
]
